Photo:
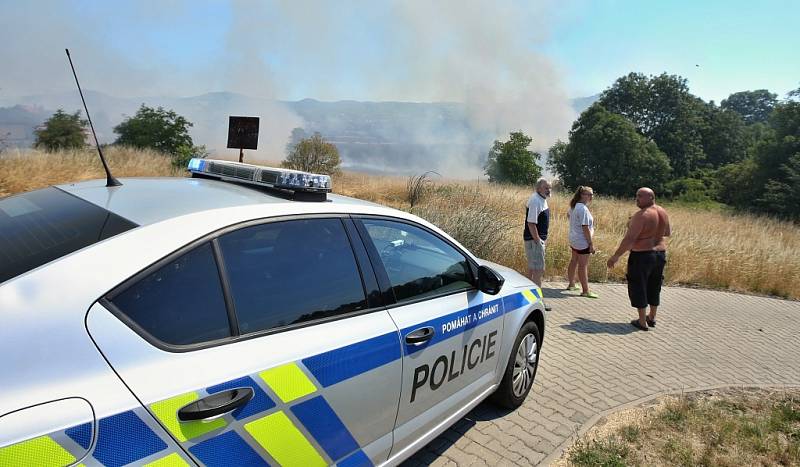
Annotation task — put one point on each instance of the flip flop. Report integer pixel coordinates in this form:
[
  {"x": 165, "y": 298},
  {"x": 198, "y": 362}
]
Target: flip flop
[
  {"x": 589, "y": 295},
  {"x": 574, "y": 287},
  {"x": 635, "y": 323},
  {"x": 650, "y": 322}
]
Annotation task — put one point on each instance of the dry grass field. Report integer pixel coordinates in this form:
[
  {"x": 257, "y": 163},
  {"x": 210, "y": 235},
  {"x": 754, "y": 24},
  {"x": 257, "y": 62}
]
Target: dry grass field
[
  {"x": 30, "y": 169},
  {"x": 708, "y": 248}
]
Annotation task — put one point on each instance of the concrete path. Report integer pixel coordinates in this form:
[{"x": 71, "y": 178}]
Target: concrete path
[{"x": 594, "y": 362}]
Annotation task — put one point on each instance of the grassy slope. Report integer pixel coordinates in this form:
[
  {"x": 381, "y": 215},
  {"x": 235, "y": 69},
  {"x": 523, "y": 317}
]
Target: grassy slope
[{"x": 708, "y": 248}]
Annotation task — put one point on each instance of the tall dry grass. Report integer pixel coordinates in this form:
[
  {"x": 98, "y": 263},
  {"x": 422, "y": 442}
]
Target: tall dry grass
[
  {"x": 710, "y": 249},
  {"x": 25, "y": 170},
  {"x": 742, "y": 253}
]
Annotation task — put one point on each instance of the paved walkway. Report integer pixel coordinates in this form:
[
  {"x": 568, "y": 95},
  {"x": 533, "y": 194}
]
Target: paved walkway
[{"x": 594, "y": 362}]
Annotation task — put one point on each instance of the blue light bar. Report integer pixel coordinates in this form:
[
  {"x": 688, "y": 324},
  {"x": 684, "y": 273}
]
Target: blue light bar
[
  {"x": 196, "y": 164},
  {"x": 285, "y": 179}
]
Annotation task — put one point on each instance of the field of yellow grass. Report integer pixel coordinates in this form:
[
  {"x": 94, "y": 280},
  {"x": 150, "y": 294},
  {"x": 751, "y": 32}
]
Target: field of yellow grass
[{"x": 708, "y": 249}]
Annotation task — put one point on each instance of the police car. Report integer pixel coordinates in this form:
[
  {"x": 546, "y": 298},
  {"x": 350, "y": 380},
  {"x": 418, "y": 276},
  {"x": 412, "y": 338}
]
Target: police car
[{"x": 244, "y": 316}]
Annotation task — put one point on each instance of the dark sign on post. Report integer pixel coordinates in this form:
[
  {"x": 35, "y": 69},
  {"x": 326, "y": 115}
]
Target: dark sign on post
[{"x": 243, "y": 134}]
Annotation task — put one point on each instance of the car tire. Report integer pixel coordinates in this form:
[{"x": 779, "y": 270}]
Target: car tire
[{"x": 520, "y": 371}]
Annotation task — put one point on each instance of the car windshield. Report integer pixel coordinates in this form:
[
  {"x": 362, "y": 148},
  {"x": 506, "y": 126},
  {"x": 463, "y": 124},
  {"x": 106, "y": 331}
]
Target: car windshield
[{"x": 43, "y": 225}]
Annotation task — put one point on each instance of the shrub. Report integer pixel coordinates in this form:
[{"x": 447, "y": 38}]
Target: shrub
[
  {"x": 314, "y": 155},
  {"x": 418, "y": 186},
  {"x": 186, "y": 152}
]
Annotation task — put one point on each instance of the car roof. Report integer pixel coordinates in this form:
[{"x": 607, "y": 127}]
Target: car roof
[{"x": 150, "y": 200}]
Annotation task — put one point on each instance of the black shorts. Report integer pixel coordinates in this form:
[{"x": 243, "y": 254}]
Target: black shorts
[
  {"x": 585, "y": 251},
  {"x": 645, "y": 276}
]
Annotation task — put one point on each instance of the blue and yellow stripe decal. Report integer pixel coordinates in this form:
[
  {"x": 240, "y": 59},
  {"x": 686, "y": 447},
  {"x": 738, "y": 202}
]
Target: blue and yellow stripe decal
[
  {"x": 453, "y": 324},
  {"x": 282, "y": 421},
  {"x": 352, "y": 360},
  {"x": 123, "y": 439},
  {"x": 346, "y": 362}
]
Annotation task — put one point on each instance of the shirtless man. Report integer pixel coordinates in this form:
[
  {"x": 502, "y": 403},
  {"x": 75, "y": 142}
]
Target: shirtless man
[{"x": 645, "y": 239}]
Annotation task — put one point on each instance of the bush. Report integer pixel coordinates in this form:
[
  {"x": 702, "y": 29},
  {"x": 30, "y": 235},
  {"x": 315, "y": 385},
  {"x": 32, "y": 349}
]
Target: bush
[
  {"x": 185, "y": 153},
  {"x": 736, "y": 183},
  {"x": 702, "y": 189},
  {"x": 314, "y": 155},
  {"x": 418, "y": 186}
]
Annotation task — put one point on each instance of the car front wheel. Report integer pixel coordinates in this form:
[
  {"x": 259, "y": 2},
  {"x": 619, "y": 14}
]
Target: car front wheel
[{"x": 521, "y": 368}]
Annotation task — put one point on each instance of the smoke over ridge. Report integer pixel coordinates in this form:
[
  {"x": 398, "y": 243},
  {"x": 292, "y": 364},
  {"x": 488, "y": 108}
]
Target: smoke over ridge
[{"x": 479, "y": 55}]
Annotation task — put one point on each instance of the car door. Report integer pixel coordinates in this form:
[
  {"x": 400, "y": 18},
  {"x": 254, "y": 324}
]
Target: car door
[
  {"x": 451, "y": 337},
  {"x": 263, "y": 344}
]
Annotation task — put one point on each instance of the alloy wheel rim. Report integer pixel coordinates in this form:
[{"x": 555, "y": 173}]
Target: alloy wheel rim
[{"x": 524, "y": 365}]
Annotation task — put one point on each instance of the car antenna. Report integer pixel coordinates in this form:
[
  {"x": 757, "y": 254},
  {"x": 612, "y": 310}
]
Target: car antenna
[{"x": 110, "y": 180}]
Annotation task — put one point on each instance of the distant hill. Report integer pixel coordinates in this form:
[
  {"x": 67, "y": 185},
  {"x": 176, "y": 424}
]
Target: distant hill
[
  {"x": 18, "y": 122},
  {"x": 371, "y": 136}
]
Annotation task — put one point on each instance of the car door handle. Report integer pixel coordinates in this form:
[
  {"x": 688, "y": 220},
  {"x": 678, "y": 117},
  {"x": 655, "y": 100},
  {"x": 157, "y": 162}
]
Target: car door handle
[
  {"x": 215, "y": 404},
  {"x": 420, "y": 336}
]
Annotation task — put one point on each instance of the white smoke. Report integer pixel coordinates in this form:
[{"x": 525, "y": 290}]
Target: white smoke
[
  {"x": 481, "y": 53},
  {"x": 484, "y": 54}
]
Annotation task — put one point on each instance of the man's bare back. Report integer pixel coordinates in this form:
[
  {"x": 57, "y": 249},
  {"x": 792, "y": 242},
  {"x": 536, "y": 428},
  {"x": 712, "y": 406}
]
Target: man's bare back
[
  {"x": 663, "y": 229},
  {"x": 649, "y": 235}
]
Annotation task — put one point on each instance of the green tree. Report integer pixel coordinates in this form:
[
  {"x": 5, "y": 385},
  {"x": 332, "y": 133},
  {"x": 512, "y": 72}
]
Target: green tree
[
  {"x": 753, "y": 106},
  {"x": 661, "y": 109},
  {"x": 513, "y": 162},
  {"x": 606, "y": 152},
  {"x": 159, "y": 129},
  {"x": 725, "y": 140},
  {"x": 649, "y": 102},
  {"x": 314, "y": 155},
  {"x": 778, "y": 161},
  {"x": 780, "y": 195},
  {"x": 755, "y": 135},
  {"x": 736, "y": 183},
  {"x": 61, "y": 131}
]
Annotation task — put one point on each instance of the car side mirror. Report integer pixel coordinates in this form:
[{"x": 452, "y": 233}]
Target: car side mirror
[{"x": 489, "y": 281}]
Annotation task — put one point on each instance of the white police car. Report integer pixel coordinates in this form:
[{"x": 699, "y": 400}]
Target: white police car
[{"x": 183, "y": 321}]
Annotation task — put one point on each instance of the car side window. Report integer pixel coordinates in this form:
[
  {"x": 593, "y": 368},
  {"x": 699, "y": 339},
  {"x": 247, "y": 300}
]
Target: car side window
[
  {"x": 418, "y": 263},
  {"x": 288, "y": 272},
  {"x": 181, "y": 302}
]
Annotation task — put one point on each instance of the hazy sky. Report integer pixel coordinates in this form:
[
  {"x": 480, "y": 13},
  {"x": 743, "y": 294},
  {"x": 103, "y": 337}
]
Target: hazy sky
[{"x": 397, "y": 50}]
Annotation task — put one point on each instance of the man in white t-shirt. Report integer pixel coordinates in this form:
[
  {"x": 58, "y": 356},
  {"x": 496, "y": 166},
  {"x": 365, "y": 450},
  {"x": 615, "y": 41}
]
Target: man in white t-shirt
[{"x": 537, "y": 222}]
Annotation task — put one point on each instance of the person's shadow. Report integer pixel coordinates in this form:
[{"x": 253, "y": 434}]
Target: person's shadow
[
  {"x": 590, "y": 326},
  {"x": 556, "y": 294}
]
